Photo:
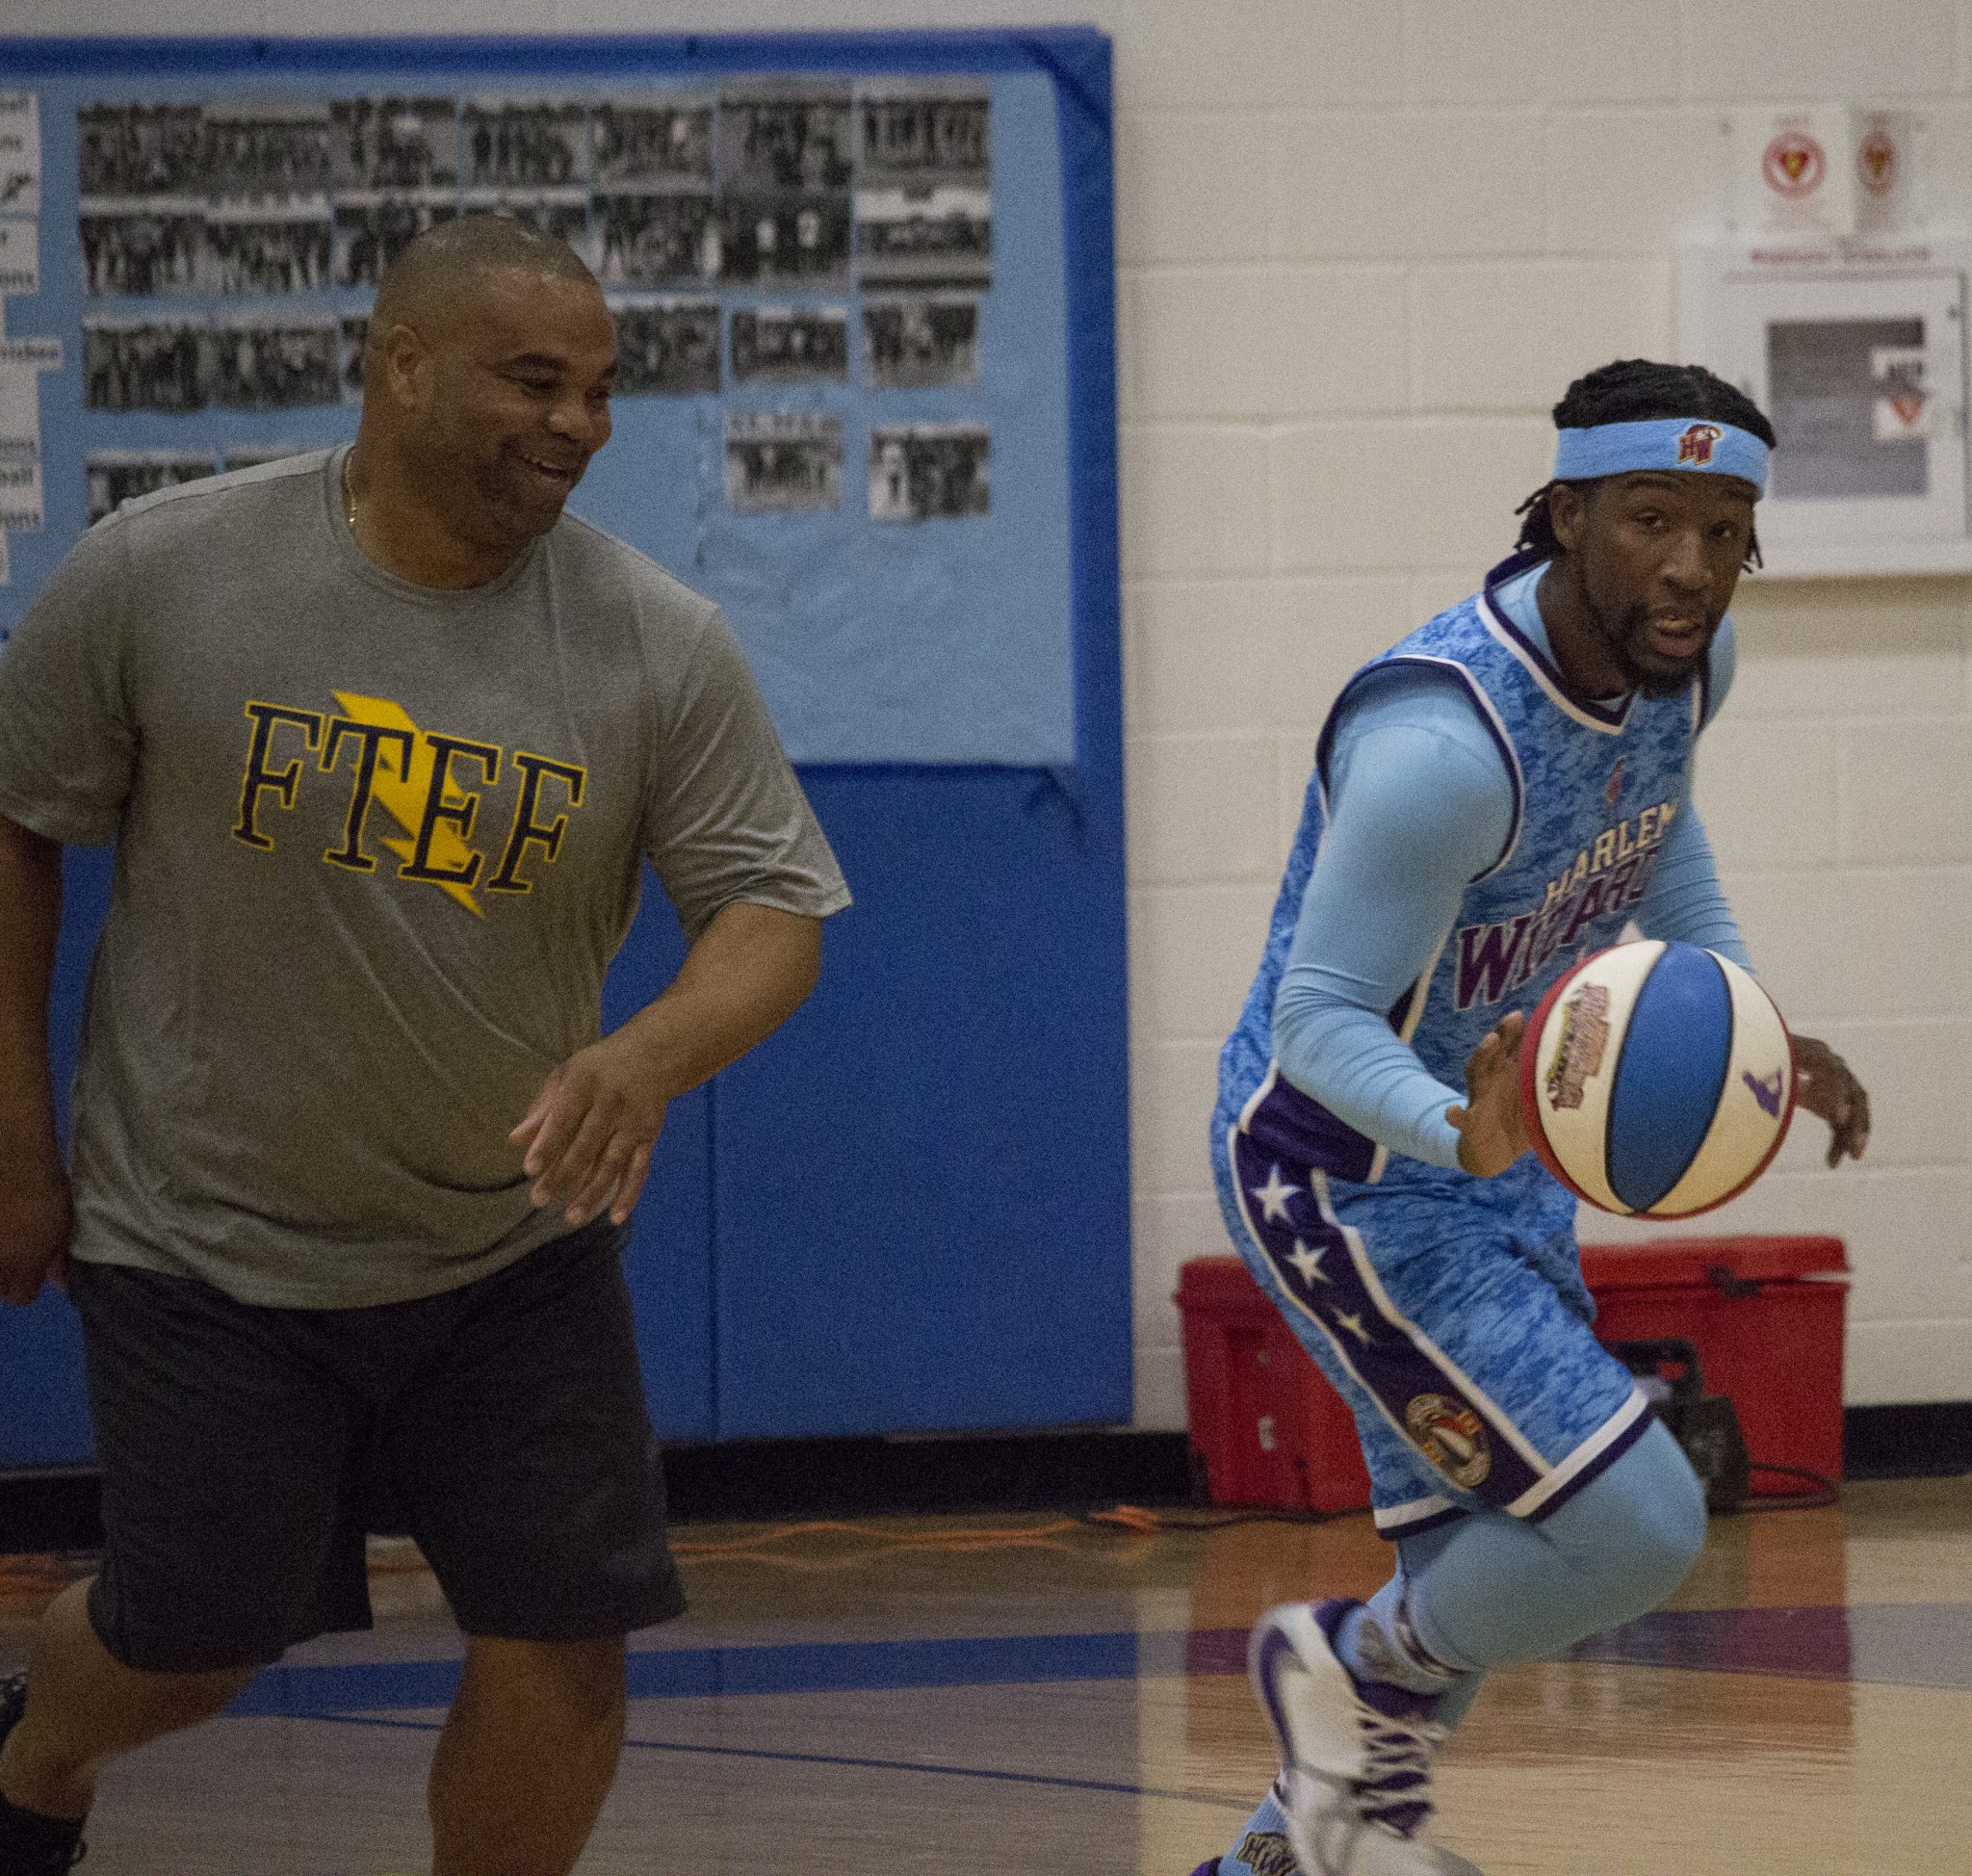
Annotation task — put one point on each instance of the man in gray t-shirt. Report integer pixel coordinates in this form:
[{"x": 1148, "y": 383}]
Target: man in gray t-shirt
[{"x": 383, "y": 739}]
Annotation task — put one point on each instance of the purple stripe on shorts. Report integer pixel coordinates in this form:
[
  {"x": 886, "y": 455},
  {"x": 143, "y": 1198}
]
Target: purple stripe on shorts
[
  {"x": 1312, "y": 1261},
  {"x": 1301, "y": 1131},
  {"x": 1596, "y": 1466}
]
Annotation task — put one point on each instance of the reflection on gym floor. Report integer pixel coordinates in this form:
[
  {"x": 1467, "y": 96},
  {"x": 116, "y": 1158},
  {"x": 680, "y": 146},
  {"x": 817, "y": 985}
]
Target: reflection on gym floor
[{"x": 1028, "y": 1694}]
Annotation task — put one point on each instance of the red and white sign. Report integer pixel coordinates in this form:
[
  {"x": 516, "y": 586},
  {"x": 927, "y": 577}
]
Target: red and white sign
[
  {"x": 1875, "y": 161},
  {"x": 1794, "y": 165},
  {"x": 1827, "y": 171},
  {"x": 1792, "y": 172},
  {"x": 1902, "y": 407},
  {"x": 1890, "y": 147}
]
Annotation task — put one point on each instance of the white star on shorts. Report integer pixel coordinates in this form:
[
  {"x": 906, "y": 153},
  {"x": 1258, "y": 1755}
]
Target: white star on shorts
[
  {"x": 1273, "y": 1197},
  {"x": 1309, "y": 1263},
  {"x": 1354, "y": 1325}
]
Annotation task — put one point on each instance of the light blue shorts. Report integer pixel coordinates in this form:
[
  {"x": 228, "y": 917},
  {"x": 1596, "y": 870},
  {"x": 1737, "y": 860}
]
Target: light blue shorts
[{"x": 1451, "y": 1316}]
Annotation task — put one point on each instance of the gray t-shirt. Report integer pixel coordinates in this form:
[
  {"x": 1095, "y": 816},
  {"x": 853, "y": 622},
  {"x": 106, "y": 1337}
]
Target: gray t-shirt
[{"x": 375, "y": 846}]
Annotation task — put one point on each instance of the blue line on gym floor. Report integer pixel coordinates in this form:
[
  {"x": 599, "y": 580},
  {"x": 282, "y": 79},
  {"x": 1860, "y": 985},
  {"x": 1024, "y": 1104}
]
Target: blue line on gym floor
[{"x": 1912, "y": 1645}]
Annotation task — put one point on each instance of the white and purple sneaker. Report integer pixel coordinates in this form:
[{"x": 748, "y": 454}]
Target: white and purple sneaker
[{"x": 1356, "y": 1755}]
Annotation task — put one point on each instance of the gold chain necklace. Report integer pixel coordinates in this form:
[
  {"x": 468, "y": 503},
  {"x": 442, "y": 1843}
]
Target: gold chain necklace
[{"x": 349, "y": 494}]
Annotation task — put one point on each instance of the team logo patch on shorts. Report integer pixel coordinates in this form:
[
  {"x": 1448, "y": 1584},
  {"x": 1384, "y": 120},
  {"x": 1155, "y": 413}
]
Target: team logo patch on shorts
[
  {"x": 1267, "y": 1853},
  {"x": 1452, "y": 1436},
  {"x": 1578, "y": 1053}
]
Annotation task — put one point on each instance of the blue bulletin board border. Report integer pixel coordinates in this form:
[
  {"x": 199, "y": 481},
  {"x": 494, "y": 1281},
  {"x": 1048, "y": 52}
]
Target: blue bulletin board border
[
  {"x": 1077, "y": 58},
  {"x": 991, "y": 903}
]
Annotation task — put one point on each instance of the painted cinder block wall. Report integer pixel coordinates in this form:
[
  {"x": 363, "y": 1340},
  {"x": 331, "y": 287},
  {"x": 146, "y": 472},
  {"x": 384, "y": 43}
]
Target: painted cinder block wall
[{"x": 1362, "y": 248}]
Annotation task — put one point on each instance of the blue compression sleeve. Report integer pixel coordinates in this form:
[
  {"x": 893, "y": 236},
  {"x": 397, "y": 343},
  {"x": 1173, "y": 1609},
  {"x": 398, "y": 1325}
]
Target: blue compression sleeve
[
  {"x": 1684, "y": 898},
  {"x": 1420, "y": 803}
]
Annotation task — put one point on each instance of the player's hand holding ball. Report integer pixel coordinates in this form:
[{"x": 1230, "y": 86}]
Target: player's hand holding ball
[
  {"x": 1825, "y": 1085},
  {"x": 1492, "y": 1130}
]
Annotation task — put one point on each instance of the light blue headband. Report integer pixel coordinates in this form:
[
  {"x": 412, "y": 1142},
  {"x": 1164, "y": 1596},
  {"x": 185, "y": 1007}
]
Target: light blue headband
[{"x": 1703, "y": 444}]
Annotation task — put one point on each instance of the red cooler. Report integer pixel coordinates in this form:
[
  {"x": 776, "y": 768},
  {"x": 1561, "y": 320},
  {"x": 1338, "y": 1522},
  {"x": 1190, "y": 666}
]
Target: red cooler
[
  {"x": 1766, "y": 1315},
  {"x": 1268, "y": 1428}
]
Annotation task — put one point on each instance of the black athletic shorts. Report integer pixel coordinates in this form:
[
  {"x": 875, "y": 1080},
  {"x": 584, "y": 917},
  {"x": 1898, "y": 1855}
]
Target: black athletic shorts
[{"x": 246, "y": 1452}]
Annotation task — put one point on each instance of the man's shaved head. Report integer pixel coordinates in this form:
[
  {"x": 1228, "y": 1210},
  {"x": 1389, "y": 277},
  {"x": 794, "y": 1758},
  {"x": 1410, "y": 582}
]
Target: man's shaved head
[{"x": 444, "y": 269}]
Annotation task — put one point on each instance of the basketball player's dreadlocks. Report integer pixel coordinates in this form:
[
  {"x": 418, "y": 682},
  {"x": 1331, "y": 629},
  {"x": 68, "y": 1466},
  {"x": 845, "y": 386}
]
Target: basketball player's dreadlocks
[{"x": 1634, "y": 390}]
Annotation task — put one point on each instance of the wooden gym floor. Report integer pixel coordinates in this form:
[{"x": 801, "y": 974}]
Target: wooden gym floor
[{"x": 1047, "y": 1696}]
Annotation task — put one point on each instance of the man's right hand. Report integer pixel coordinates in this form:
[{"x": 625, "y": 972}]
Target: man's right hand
[
  {"x": 35, "y": 1219},
  {"x": 1492, "y": 1131}
]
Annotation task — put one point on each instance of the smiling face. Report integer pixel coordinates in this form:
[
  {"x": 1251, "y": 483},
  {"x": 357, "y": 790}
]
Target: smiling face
[
  {"x": 1649, "y": 564},
  {"x": 511, "y": 398}
]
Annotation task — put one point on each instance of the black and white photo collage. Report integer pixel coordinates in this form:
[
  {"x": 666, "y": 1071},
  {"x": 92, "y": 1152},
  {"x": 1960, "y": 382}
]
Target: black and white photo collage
[{"x": 756, "y": 235}]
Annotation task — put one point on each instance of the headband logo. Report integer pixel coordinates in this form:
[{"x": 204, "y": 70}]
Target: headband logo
[{"x": 1694, "y": 445}]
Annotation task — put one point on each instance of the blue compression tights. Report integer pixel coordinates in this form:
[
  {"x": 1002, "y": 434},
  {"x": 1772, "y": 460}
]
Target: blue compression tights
[{"x": 1492, "y": 1589}]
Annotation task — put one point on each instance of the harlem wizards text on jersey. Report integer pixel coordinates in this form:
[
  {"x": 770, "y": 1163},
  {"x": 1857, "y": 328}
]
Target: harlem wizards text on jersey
[{"x": 1594, "y": 789}]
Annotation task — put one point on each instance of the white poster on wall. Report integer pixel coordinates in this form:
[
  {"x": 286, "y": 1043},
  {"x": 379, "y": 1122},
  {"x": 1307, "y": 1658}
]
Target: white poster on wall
[
  {"x": 1827, "y": 171},
  {"x": 20, "y": 153},
  {"x": 20, "y": 493},
  {"x": 20, "y": 254},
  {"x": 22, "y": 361},
  {"x": 1791, "y": 172},
  {"x": 21, "y": 408}
]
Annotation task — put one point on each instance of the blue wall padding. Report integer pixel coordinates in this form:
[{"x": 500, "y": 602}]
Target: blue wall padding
[{"x": 922, "y": 1187}]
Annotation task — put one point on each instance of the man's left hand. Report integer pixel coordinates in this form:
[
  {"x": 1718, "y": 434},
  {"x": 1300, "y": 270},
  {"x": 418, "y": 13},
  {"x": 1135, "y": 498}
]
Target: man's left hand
[
  {"x": 1825, "y": 1086},
  {"x": 590, "y": 1131}
]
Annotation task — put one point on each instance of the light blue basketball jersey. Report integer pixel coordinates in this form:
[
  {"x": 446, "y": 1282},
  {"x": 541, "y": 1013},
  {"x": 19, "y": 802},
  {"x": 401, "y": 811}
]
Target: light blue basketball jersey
[{"x": 1595, "y": 789}]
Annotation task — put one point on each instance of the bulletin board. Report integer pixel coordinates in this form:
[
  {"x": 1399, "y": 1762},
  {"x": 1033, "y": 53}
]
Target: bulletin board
[
  {"x": 864, "y": 294},
  {"x": 840, "y": 267}
]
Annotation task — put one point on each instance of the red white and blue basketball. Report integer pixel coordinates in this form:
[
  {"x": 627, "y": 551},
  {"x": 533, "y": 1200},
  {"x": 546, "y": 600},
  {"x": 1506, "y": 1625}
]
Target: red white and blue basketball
[{"x": 1656, "y": 1079}]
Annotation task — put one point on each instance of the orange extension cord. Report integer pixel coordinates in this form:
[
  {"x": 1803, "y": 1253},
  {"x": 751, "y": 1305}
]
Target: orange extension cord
[
  {"x": 33, "y": 1574},
  {"x": 1120, "y": 1521},
  {"x": 870, "y": 1541}
]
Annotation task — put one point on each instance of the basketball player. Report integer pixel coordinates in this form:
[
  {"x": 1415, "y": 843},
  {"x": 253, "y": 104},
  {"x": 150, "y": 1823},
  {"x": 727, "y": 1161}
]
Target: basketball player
[
  {"x": 383, "y": 737},
  {"x": 1503, "y": 791}
]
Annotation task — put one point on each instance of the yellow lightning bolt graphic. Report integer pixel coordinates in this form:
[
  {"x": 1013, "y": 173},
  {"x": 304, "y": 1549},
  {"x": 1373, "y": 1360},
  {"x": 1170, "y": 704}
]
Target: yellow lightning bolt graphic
[{"x": 402, "y": 796}]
